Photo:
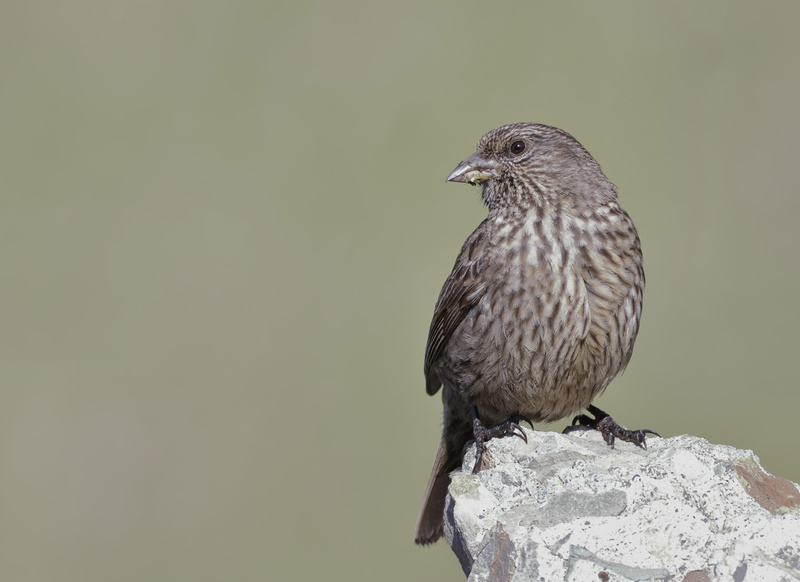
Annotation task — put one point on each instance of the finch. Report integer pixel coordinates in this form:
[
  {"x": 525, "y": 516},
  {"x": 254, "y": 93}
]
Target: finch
[{"x": 542, "y": 307}]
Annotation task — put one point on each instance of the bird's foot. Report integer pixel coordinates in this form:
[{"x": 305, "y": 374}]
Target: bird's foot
[
  {"x": 610, "y": 430},
  {"x": 483, "y": 434}
]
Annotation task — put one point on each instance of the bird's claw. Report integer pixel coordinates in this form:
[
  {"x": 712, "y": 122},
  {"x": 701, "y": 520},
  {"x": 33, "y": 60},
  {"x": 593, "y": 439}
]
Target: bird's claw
[
  {"x": 482, "y": 434},
  {"x": 608, "y": 427}
]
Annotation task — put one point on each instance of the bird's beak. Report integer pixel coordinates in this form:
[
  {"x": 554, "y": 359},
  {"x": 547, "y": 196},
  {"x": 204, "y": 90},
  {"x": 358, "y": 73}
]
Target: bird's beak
[{"x": 474, "y": 170}]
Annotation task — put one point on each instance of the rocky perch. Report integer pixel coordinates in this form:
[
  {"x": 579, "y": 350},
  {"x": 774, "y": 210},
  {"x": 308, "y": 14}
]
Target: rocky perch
[{"x": 569, "y": 507}]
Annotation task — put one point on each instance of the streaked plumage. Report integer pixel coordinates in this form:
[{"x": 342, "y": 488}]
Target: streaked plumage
[{"x": 542, "y": 308}]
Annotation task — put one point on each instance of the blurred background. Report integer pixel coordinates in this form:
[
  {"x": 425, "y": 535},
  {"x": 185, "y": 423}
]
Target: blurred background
[{"x": 224, "y": 227}]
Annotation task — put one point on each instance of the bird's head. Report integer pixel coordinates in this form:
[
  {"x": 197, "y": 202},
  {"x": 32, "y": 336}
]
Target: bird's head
[{"x": 528, "y": 163}]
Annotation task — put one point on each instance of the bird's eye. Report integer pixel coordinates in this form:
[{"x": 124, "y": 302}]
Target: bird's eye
[{"x": 517, "y": 147}]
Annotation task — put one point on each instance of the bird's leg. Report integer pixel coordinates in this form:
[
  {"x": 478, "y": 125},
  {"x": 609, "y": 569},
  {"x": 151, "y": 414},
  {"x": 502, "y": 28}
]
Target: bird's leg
[
  {"x": 482, "y": 434},
  {"x": 609, "y": 428}
]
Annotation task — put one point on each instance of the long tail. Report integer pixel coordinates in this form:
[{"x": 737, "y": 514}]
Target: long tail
[{"x": 430, "y": 521}]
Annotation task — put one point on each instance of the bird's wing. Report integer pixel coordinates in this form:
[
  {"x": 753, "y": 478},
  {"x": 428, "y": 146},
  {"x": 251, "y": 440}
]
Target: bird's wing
[{"x": 461, "y": 292}]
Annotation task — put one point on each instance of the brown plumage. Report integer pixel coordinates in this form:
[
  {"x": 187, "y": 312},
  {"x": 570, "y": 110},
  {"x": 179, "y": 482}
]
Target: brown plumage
[{"x": 543, "y": 305}]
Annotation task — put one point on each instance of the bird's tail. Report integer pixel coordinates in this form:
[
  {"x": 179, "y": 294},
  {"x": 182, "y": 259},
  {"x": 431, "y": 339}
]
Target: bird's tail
[{"x": 430, "y": 521}]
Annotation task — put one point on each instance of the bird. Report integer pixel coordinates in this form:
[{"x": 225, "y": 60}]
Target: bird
[{"x": 542, "y": 307}]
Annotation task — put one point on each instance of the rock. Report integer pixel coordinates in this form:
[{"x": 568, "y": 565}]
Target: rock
[{"x": 569, "y": 507}]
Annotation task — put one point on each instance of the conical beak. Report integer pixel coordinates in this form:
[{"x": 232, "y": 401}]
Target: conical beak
[{"x": 474, "y": 170}]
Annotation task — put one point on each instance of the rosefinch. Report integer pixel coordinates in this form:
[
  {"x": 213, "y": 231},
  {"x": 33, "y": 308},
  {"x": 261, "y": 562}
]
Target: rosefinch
[{"x": 543, "y": 305}]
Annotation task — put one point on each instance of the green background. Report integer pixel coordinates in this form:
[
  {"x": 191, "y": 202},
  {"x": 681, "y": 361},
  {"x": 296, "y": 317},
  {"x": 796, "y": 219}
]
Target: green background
[{"x": 224, "y": 227}]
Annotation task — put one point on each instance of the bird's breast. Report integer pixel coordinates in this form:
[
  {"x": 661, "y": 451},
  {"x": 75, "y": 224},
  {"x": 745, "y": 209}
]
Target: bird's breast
[{"x": 537, "y": 249}]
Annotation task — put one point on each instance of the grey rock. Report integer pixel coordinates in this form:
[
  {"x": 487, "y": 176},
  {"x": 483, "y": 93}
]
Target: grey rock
[{"x": 569, "y": 507}]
